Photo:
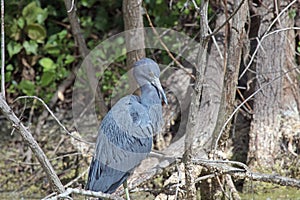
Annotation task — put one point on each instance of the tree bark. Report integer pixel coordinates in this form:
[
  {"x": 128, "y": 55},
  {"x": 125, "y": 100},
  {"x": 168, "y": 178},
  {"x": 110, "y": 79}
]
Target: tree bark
[
  {"x": 271, "y": 57},
  {"x": 198, "y": 136},
  {"x": 133, "y": 22},
  {"x": 233, "y": 56},
  {"x": 84, "y": 51}
]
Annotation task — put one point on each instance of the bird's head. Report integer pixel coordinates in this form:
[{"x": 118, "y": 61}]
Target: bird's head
[{"x": 146, "y": 71}]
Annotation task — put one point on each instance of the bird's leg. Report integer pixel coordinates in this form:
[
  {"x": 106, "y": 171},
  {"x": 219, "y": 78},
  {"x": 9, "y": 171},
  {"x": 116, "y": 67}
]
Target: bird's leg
[{"x": 126, "y": 190}]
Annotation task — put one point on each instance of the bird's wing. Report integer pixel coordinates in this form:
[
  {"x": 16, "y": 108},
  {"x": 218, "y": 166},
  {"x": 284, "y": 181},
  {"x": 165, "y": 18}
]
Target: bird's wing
[{"x": 124, "y": 140}]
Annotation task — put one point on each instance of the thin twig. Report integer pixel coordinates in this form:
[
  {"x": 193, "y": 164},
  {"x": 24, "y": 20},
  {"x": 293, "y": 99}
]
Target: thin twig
[
  {"x": 2, "y": 51},
  {"x": 69, "y": 184},
  {"x": 244, "y": 173},
  {"x": 240, "y": 164},
  {"x": 279, "y": 15},
  {"x": 54, "y": 117},
  {"x": 222, "y": 188},
  {"x": 227, "y": 20},
  {"x": 232, "y": 188},
  {"x": 38, "y": 164},
  {"x": 201, "y": 178},
  {"x": 210, "y": 31},
  {"x": 180, "y": 54},
  {"x": 166, "y": 48},
  {"x": 267, "y": 34},
  {"x": 38, "y": 152}
]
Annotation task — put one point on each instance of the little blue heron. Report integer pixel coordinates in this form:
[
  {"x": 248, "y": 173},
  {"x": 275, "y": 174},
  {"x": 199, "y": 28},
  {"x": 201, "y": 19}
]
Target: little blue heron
[{"x": 125, "y": 134}]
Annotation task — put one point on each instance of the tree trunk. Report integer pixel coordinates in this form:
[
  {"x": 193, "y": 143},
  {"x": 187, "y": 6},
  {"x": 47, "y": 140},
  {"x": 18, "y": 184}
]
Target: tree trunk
[
  {"x": 271, "y": 58},
  {"x": 204, "y": 105},
  {"x": 133, "y": 21},
  {"x": 236, "y": 35}
]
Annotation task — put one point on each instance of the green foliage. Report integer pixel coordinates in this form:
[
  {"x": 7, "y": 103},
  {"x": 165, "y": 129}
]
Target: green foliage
[
  {"x": 292, "y": 13},
  {"x": 30, "y": 47},
  {"x": 13, "y": 48},
  {"x": 37, "y": 45},
  {"x": 36, "y": 32},
  {"x": 38, "y": 41}
]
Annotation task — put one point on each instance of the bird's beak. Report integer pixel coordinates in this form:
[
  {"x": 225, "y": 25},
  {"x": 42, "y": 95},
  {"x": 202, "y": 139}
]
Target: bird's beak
[{"x": 161, "y": 92}]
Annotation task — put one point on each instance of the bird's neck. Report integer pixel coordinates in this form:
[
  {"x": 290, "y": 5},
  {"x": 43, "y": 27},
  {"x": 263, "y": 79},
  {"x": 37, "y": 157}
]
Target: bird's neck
[{"x": 149, "y": 95}]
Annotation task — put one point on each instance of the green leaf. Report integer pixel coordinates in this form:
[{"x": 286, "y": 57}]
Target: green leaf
[
  {"x": 62, "y": 34},
  {"x": 42, "y": 16},
  {"x": 13, "y": 48},
  {"x": 69, "y": 59},
  {"x": 292, "y": 13},
  {"x": 8, "y": 76},
  {"x": 21, "y": 22},
  {"x": 52, "y": 49},
  {"x": 30, "y": 47},
  {"x": 27, "y": 87},
  {"x": 14, "y": 31},
  {"x": 36, "y": 32},
  {"x": 9, "y": 67},
  {"x": 47, "y": 78},
  {"x": 47, "y": 64},
  {"x": 32, "y": 13}
]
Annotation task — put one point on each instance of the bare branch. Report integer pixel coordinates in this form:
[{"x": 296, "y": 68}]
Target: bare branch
[
  {"x": 166, "y": 48},
  {"x": 68, "y": 184},
  {"x": 227, "y": 20},
  {"x": 57, "y": 120},
  {"x": 264, "y": 36},
  {"x": 259, "y": 45},
  {"x": 221, "y": 167},
  {"x": 27, "y": 136},
  {"x": 69, "y": 191},
  {"x": 59, "y": 92},
  {"x": 269, "y": 178}
]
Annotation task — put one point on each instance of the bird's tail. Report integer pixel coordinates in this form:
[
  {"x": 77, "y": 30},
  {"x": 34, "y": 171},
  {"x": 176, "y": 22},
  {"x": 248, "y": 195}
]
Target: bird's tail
[{"x": 104, "y": 178}]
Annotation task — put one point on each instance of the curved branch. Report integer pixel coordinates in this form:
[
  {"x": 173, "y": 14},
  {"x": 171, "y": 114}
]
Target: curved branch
[
  {"x": 29, "y": 139},
  {"x": 55, "y": 118}
]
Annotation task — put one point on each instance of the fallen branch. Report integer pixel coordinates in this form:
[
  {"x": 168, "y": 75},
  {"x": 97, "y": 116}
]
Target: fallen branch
[
  {"x": 156, "y": 164},
  {"x": 29, "y": 139},
  {"x": 221, "y": 167},
  {"x": 270, "y": 178},
  {"x": 89, "y": 193}
]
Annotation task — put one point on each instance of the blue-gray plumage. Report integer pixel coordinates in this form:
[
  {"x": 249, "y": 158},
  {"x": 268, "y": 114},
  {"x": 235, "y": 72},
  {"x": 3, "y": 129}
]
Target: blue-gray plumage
[{"x": 125, "y": 134}]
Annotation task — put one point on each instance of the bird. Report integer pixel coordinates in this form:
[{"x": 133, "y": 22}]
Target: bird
[{"x": 126, "y": 132}]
